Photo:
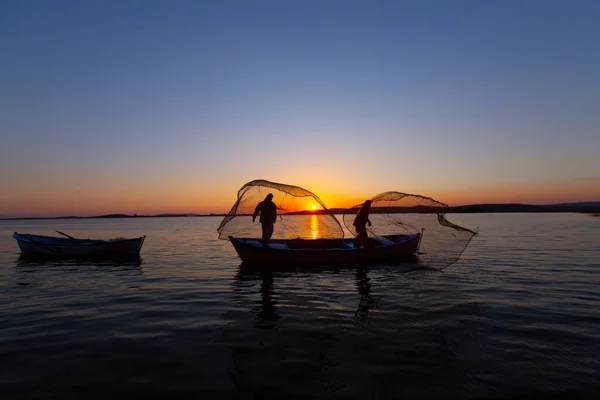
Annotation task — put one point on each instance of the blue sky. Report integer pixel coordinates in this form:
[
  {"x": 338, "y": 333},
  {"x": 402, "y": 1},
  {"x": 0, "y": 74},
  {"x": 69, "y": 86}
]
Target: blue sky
[{"x": 153, "y": 102}]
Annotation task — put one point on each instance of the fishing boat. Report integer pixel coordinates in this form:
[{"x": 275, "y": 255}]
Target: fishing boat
[
  {"x": 70, "y": 246},
  {"x": 310, "y": 251},
  {"x": 402, "y": 226}
]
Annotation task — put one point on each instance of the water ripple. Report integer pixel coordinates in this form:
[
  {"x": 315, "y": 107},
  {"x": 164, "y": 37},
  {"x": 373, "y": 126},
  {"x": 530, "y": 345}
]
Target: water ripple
[{"x": 517, "y": 316}]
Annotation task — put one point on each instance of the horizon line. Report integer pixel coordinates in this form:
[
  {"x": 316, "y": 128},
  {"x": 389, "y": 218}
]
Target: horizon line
[{"x": 593, "y": 204}]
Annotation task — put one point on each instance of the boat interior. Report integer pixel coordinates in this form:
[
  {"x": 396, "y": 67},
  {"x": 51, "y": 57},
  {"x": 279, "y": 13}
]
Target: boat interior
[{"x": 328, "y": 244}]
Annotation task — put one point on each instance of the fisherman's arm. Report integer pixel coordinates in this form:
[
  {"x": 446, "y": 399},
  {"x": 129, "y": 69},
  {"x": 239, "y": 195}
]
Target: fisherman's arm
[{"x": 256, "y": 211}]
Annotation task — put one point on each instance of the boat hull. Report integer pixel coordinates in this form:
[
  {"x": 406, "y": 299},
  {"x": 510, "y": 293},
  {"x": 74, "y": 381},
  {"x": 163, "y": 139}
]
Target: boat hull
[
  {"x": 53, "y": 246},
  {"x": 305, "y": 251}
]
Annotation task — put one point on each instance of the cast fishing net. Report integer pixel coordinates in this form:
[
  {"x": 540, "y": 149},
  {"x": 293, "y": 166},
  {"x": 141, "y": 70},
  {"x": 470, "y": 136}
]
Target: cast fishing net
[
  {"x": 300, "y": 213},
  {"x": 391, "y": 213}
]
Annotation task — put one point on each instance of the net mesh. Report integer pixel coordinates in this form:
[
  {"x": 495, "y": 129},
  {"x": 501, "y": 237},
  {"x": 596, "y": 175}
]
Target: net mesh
[
  {"x": 300, "y": 213},
  {"x": 442, "y": 242}
]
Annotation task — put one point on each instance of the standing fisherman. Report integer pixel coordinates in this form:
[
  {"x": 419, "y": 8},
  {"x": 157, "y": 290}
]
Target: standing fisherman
[
  {"x": 268, "y": 217},
  {"x": 360, "y": 222}
]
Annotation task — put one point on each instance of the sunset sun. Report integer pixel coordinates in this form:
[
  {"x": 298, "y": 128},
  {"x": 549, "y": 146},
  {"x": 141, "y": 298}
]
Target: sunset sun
[{"x": 314, "y": 207}]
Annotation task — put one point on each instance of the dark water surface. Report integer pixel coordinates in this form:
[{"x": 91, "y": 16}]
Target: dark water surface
[{"x": 518, "y": 315}]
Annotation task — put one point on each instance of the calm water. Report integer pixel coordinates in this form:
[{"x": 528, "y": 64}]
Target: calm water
[{"x": 519, "y": 314}]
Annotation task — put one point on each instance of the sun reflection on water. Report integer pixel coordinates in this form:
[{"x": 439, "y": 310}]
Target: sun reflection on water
[{"x": 314, "y": 227}]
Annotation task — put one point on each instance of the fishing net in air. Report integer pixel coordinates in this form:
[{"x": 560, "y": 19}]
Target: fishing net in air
[
  {"x": 392, "y": 213},
  {"x": 300, "y": 213}
]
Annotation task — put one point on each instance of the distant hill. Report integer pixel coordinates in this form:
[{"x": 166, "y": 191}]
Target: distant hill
[
  {"x": 590, "y": 204},
  {"x": 120, "y": 216},
  {"x": 585, "y": 207}
]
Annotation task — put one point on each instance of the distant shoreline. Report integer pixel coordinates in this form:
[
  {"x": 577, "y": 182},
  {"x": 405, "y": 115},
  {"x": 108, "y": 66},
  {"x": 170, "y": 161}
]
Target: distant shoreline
[
  {"x": 116, "y": 216},
  {"x": 592, "y": 208}
]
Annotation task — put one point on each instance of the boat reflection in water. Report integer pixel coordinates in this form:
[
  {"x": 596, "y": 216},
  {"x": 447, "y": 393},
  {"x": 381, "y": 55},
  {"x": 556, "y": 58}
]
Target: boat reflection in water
[
  {"x": 300, "y": 320},
  {"x": 105, "y": 263},
  {"x": 293, "y": 276}
]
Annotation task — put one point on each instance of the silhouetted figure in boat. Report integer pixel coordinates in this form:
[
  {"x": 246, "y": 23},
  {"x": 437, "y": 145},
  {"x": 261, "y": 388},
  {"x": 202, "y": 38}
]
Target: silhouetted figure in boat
[
  {"x": 268, "y": 217},
  {"x": 360, "y": 223}
]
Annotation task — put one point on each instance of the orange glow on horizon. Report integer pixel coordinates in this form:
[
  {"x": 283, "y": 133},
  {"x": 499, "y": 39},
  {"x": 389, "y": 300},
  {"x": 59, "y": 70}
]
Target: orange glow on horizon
[
  {"x": 574, "y": 191},
  {"x": 90, "y": 201}
]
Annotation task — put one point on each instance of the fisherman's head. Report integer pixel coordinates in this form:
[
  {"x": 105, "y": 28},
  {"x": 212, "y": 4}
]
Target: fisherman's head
[
  {"x": 367, "y": 204},
  {"x": 269, "y": 197}
]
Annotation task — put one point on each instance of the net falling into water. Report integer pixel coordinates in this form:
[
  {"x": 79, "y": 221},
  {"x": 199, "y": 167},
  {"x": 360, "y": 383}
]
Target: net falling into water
[
  {"x": 301, "y": 214},
  {"x": 391, "y": 213}
]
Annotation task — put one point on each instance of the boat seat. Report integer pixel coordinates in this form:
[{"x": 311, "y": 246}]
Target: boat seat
[
  {"x": 348, "y": 244},
  {"x": 385, "y": 241},
  {"x": 279, "y": 246}
]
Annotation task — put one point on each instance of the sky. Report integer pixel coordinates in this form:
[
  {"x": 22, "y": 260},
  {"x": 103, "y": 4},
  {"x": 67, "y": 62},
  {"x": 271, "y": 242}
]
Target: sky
[{"x": 147, "y": 107}]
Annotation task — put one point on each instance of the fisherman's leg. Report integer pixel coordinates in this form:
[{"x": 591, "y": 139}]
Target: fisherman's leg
[
  {"x": 265, "y": 237},
  {"x": 364, "y": 238},
  {"x": 361, "y": 235},
  {"x": 267, "y": 232}
]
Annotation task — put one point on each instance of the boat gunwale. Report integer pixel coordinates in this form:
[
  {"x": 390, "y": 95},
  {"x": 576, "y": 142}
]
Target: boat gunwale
[
  {"x": 74, "y": 242},
  {"x": 243, "y": 242}
]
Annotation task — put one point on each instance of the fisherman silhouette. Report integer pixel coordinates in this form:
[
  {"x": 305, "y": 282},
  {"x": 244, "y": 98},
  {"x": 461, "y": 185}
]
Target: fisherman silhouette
[
  {"x": 360, "y": 222},
  {"x": 268, "y": 217}
]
